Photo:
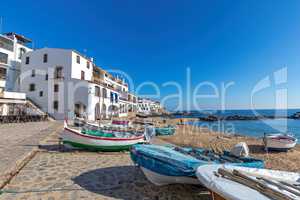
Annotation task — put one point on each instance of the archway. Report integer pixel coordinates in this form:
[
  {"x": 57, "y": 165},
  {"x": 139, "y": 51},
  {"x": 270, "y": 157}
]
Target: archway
[
  {"x": 113, "y": 110},
  {"x": 97, "y": 111},
  {"x": 103, "y": 111},
  {"x": 80, "y": 110}
]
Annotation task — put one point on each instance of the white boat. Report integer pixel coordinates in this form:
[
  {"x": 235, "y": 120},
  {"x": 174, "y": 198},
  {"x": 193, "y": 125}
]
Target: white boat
[
  {"x": 76, "y": 139},
  {"x": 281, "y": 142},
  {"x": 223, "y": 188},
  {"x": 160, "y": 179}
]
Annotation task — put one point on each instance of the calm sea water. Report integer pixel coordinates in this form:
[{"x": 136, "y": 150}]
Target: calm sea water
[{"x": 254, "y": 128}]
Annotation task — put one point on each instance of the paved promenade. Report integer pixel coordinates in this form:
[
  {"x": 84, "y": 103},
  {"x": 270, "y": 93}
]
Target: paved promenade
[
  {"x": 53, "y": 174},
  {"x": 18, "y": 140}
]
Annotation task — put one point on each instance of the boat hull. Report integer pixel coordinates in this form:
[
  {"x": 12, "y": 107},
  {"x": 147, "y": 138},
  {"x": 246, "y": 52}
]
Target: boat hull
[
  {"x": 163, "y": 165},
  {"x": 165, "y": 131},
  {"x": 230, "y": 190},
  {"x": 77, "y": 140},
  {"x": 273, "y": 143},
  {"x": 160, "y": 179}
]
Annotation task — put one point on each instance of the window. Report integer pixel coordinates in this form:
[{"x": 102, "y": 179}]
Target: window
[
  {"x": 22, "y": 51},
  {"x": 58, "y": 73},
  {"x": 45, "y": 58},
  {"x": 82, "y": 75},
  {"x": 56, "y": 88},
  {"x": 27, "y": 60},
  {"x": 2, "y": 73},
  {"x": 46, "y": 77},
  {"x": 41, "y": 93},
  {"x": 6, "y": 43},
  {"x": 97, "y": 91},
  {"x": 3, "y": 58},
  {"x": 104, "y": 93},
  {"x": 78, "y": 59},
  {"x": 55, "y": 105},
  {"x": 88, "y": 64},
  {"x": 32, "y": 87},
  {"x": 33, "y": 73}
]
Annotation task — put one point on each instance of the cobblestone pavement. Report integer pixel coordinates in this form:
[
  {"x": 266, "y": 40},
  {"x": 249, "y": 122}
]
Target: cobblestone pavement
[
  {"x": 83, "y": 175},
  {"x": 17, "y": 140},
  {"x": 54, "y": 174}
]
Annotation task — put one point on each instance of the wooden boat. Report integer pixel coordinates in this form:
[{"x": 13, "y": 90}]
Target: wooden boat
[
  {"x": 239, "y": 183},
  {"x": 115, "y": 141},
  {"x": 168, "y": 130},
  {"x": 164, "y": 165},
  {"x": 120, "y": 122},
  {"x": 279, "y": 142}
]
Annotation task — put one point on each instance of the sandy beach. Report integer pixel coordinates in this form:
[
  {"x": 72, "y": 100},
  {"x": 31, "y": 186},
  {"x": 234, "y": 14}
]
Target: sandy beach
[{"x": 187, "y": 135}]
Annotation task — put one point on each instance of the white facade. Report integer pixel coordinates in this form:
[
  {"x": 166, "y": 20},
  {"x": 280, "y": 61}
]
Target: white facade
[
  {"x": 12, "y": 48},
  {"x": 148, "y": 106},
  {"x": 64, "y": 83}
]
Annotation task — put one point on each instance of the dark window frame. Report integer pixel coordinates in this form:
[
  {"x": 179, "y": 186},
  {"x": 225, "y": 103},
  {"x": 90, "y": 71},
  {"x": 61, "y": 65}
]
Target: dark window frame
[
  {"x": 82, "y": 75},
  {"x": 104, "y": 92},
  {"x": 55, "y": 105},
  {"x": 22, "y": 51},
  {"x": 78, "y": 59},
  {"x": 97, "y": 91},
  {"x": 56, "y": 88},
  {"x": 4, "y": 58},
  {"x": 33, "y": 73},
  {"x": 27, "y": 60},
  {"x": 58, "y": 72},
  {"x": 45, "y": 58},
  {"x": 31, "y": 87}
]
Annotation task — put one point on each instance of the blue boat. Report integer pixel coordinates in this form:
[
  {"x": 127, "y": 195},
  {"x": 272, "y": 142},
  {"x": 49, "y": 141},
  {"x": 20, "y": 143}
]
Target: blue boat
[
  {"x": 164, "y": 165},
  {"x": 168, "y": 130}
]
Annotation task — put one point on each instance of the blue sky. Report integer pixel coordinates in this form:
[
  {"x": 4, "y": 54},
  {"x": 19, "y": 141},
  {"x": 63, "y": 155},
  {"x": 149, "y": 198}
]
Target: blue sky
[{"x": 156, "y": 41}]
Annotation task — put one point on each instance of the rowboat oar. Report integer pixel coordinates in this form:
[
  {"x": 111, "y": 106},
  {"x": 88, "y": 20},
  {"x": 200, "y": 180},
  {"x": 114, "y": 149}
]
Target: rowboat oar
[
  {"x": 280, "y": 186},
  {"x": 243, "y": 179},
  {"x": 290, "y": 185}
]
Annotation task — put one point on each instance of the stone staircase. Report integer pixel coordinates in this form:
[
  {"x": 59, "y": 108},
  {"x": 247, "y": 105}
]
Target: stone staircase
[{"x": 34, "y": 108}]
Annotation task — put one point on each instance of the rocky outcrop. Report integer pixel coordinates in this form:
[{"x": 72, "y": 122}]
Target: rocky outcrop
[{"x": 295, "y": 116}]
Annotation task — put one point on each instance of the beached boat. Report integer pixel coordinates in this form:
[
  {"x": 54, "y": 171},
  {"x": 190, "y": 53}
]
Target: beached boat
[
  {"x": 168, "y": 130},
  {"x": 164, "y": 165},
  {"x": 120, "y": 122},
  {"x": 96, "y": 140},
  {"x": 280, "y": 142},
  {"x": 236, "y": 185}
]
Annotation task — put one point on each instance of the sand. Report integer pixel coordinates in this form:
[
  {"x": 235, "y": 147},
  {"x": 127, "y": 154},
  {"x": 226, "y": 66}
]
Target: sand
[{"x": 187, "y": 135}]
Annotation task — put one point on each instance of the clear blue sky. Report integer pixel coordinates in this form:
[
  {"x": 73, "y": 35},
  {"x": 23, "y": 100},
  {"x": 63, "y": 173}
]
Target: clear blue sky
[{"x": 220, "y": 41}]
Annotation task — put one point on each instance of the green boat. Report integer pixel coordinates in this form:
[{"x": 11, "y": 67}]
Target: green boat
[
  {"x": 168, "y": 130},
  {"x": 98, "y": 140}
]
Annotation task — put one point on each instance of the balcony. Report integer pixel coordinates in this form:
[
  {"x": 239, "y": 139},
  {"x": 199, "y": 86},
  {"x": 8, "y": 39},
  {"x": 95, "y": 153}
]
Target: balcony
[{"x": 14, "y": 95}]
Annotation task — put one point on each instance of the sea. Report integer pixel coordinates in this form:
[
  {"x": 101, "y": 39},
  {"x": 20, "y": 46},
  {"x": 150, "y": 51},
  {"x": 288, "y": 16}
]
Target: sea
[{"x": 254, "y": 128}]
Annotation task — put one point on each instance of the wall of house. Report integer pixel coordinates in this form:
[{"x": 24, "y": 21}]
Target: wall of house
[
  {"x": 13, "y": 66},
  {"x": 77, "y": 68},
  {"x": 72, "y": 90},
  {"x": 56, "y": 57}
]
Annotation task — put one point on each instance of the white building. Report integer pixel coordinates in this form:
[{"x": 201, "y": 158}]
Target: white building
[
  {"x": 63, "y": 81},
  {"x": 148, "y": 106},
  {"x": 12, "y": 47}
]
